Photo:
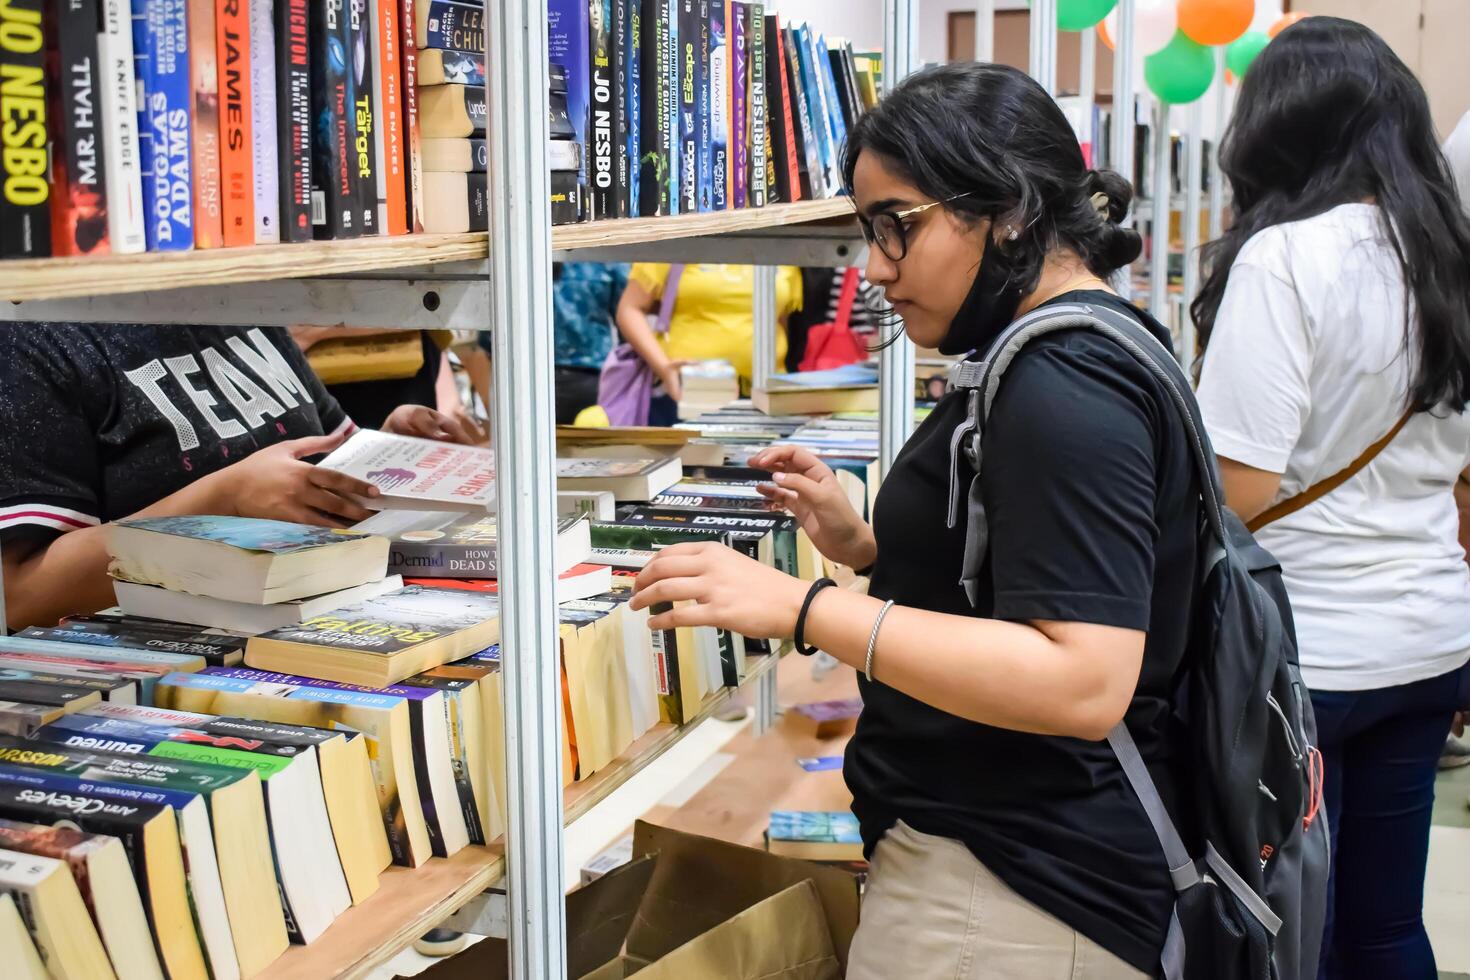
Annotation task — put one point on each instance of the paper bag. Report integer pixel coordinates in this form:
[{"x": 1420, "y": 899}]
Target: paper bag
[
  {"x": 700, "y": 883},
  {"x": 784, "y": 937},
  {"x": 598, "y": 918}
]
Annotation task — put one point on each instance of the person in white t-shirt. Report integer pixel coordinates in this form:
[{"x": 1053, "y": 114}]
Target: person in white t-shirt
[{"x": 1337, "y": 305}]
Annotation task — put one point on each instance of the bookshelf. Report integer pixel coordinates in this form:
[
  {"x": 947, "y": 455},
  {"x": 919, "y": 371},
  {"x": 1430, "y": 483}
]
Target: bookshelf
[
  {"x": 411, "y": 901},
  {"x": 68, "y": 278}
]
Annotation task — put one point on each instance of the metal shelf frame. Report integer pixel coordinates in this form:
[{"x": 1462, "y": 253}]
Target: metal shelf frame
[{"x": 512, "y": 290}]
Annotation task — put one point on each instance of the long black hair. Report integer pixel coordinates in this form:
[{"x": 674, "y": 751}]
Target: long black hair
[
  {"x": 992, "y": 134},
  {"x": 1329, "y": 115}
]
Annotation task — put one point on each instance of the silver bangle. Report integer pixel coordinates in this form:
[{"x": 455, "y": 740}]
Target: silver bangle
[{"x": 873, "y": 640}]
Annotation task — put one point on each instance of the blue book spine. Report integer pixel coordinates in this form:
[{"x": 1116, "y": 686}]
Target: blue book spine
[
  {"x": 719, "y": 84},
  {"x": 688, "y": 62},
  {"x": 704, "y": 178},
  {"x": 633, "y": 64},
  {"x": 834, "y": 103},
  {"x": 671, "y": 104},
  {"x": 816, "y": 106},
  {"x": 53, "y": 782},
  {"x": 568, "y": 44},
  {"x": 161, "y": 63}
]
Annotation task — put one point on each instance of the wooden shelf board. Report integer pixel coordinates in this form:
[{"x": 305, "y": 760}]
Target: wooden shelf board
[
  {"x": 407, "y": 904},
  {"x": 63, "y": 278},
  {"x": 410, "y": 902}
]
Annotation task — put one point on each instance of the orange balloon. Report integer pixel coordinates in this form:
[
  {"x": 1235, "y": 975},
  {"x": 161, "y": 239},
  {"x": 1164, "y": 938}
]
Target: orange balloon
[
  {"x": 1286, "y": 22},
  {"x": 1215, "y": 21},
  {"x": 1104, "y": 36}
]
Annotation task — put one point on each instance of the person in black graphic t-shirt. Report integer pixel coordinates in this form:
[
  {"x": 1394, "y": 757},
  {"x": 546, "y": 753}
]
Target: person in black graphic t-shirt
[
  {"x": 1005, "y": 839},
  {"x": 106, "y": 421}
]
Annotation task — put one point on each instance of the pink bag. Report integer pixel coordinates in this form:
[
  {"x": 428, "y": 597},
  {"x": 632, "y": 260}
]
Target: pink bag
[
  {"x": 625, "y": 388},
  {"x": 834, "y": 345}
]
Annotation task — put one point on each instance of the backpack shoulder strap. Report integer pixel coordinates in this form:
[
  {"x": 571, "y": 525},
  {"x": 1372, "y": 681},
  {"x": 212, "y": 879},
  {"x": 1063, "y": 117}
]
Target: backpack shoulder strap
[{"x": 982, "y": 379}]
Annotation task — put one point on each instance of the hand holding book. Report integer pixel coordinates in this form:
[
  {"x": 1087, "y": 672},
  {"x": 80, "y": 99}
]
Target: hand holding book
[
  {"x": 728, "y": 589},
  {"x": 276, "y": 482}
]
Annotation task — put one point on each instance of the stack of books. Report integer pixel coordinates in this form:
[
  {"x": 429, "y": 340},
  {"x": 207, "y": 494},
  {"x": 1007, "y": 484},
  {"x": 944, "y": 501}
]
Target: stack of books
[{"x": 171, "y": 125}]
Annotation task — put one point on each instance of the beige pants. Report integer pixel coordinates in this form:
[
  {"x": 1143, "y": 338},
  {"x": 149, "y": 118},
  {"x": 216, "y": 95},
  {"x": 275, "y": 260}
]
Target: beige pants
[{"x": 934, "y": 912}]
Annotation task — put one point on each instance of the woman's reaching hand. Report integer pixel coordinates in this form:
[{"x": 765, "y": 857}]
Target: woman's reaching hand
[{"x": 808, "y": 487}]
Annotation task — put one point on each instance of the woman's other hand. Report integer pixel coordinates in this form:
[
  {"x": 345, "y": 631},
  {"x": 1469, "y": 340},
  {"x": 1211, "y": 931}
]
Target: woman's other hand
[
  {"x": 808, "y": 488},
  {"x": 673, "y": 380},
  {"x": 277, "y": 483},
  {"x": 730, "y": 591},
  {"x": 426, "y": 423}
]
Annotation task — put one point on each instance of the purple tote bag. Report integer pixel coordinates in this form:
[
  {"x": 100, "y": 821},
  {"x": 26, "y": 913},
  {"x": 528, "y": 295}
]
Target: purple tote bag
[{"x": 626, "y": 387}]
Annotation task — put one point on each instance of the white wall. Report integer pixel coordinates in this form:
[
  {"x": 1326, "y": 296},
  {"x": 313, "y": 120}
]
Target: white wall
[{"x": 859, "y": 21}]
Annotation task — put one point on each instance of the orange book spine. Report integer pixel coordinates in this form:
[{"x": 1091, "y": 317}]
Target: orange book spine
[
  {"x": 236, "y": 143},
  {"x": 204, "y": 72},
  {"x": 390, "y": 119}
]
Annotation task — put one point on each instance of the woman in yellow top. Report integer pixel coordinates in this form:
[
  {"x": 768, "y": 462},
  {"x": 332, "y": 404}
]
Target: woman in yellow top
[{"x": 712, "y": 318}]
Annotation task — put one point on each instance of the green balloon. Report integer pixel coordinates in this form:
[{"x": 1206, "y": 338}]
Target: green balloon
[
  {"x": 1181, "y": 71},
  {"x": 1243, "y": 50},
  {"x": 1079, "y": 15}
]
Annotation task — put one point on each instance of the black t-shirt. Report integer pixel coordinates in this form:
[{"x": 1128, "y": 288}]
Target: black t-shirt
[
  {"x": 102, "y": 420},
  {"x": 1092, "y": 502}
]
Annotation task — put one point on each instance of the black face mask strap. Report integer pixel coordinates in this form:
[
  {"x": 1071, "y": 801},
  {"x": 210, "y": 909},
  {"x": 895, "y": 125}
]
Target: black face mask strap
[{"x": 990, "y": 306}]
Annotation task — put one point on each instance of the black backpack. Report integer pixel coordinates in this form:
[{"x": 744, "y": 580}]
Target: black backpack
[{"x": 1251, "y": 893}]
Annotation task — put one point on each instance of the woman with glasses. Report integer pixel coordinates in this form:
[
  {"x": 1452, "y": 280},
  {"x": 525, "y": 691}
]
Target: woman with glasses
[{"x": 1004, "y": 838}]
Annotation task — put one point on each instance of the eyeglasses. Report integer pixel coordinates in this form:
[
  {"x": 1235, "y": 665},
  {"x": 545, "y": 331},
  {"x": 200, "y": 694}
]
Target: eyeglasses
[{"x": 886, "y": 229}]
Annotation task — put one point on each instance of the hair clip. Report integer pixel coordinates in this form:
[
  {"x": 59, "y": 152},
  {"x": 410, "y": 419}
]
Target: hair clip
[{"x": 1100, "y": 204}]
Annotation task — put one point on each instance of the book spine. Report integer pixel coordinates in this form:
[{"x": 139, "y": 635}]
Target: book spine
[
  {"x": 633, "y": 60},
  {"x": 618, "y": 46},
  {"x": 388, "y": 107},
  {"x": 817, "y": 103},
  {"x": 756, "y": 68},
  {"x": 568, "y": 45},
  {"x": 806, "y": 137},
  {"x": 783, "y": 144},
  {"x": 427, "y": 560},
  {"x": 688, "y": 112},
  {"x": 25, "y": 162},
  {"x": 739, "y": 128},
  {"x": 600, "y": 88},
  {"x": 654, "y": 159},
  {"x": 333, "y": 214},
  {"x": 209, "y": 229},
  {"x": 121, "y": 154},
  {"x": 666, "y": 669},
  {"x": 293, "y": 73},
  {"x": 705, "y": 190},
  {"x": 79, "y": 189},
  {"x": 266, "y": 154},
  {"x": 719, "y": 110},
  {"x": 834, "y": 95},
  {"x": 412, "y": 142},
  {"x": 416, "y": 711},
  {"x": 161, "y": 59},
  {"x": 671, "y": 106},
  {"x": 237, "y": 150},
  {"x": 363, "y": 123},
  {"x": 452, "y": 24}
]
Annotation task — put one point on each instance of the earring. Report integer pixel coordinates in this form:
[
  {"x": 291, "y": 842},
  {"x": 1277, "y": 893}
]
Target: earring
[{"x": 1012, "y": 234}]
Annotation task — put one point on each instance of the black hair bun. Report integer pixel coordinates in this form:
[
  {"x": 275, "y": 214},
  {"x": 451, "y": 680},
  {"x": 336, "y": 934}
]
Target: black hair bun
[{"x": 1115, "y": 245}]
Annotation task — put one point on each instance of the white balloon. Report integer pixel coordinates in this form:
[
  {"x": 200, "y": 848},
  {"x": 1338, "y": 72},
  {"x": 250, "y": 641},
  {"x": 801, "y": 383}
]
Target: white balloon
[{"x": 1154, "y": 24}]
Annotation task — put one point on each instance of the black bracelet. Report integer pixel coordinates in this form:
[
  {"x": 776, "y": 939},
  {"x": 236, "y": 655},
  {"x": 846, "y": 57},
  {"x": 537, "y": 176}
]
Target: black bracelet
[{"x": 811, "y": 594}]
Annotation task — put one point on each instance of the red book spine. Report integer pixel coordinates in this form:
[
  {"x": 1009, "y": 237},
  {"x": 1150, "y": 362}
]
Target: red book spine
[
  {"x": 237, "y": 138},
  {"x": 789, "y": 156},
  {"x": 390, "y": 121},
  {"x": 204, "y": 74},
  {"x": 413, "y": 157}
]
